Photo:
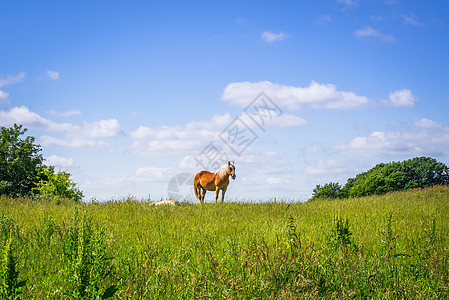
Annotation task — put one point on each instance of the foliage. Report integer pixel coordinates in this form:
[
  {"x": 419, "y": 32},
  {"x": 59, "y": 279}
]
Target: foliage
[
  {"x": 10, "y": 288},
  {"x": 57, "y": 185},
  {"x": 87, "y": 265},
  {"x": 19, "y": 161},
  {"x": 329, "y": 190},
  {"x": 419, "y": 172},
  {"x": 393, "y": 246},
  {"x": 340, "y": 235}
]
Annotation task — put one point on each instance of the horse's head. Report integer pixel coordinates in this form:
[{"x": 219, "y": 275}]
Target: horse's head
[{"x": 231, "y": 169}]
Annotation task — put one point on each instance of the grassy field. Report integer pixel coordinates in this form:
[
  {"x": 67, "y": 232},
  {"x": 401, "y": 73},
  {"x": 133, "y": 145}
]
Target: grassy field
[{"x": 394, "y": 246}]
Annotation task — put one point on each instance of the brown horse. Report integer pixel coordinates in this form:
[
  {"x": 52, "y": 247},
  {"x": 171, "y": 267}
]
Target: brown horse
[{"x": 207, "y": 181}]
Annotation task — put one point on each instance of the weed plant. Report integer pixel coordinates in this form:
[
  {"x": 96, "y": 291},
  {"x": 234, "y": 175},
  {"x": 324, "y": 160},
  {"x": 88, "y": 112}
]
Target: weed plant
[{"x": 394, "y": 246}]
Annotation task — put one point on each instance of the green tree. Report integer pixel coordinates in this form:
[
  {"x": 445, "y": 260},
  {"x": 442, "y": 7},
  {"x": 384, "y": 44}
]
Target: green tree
[
  {"x": 419, "y": 172},
  {"x": 19, "y": 161},
  {"x": 330, "y": 190},
  {"x": 57, "y": 185}
]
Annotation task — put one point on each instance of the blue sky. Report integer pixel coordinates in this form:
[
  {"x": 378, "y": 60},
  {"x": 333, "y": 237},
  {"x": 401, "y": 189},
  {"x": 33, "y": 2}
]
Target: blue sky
[{"x": 126, "y": 95}]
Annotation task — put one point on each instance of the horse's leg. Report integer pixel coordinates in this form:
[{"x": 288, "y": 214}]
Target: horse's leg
[
  {"x": 223, "y": 191},
  {"x": 203, "y": 195},
  {"x": 217, "y": 191}
]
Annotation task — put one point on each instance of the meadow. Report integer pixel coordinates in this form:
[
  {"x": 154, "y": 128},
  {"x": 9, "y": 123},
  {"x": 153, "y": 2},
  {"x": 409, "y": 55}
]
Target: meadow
[{"x": 394, "y": 246}]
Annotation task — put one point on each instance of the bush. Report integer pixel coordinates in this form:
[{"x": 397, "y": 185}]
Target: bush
[
  {"x": 328, "y": 191},
  {"x": 419, "y": 172},
  {"x": 57, "y": 185}
]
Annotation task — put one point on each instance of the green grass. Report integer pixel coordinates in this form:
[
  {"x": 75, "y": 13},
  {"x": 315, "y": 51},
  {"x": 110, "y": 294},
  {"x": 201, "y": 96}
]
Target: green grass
[{"x": 394, "y": 246}]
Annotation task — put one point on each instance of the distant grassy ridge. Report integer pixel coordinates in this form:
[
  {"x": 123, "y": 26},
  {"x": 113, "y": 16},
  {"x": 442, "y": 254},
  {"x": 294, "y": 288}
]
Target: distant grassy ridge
[{"x": 382, "y": 247}]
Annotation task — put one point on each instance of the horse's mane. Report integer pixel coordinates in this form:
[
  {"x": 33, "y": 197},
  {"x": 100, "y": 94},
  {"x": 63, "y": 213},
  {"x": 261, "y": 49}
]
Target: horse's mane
[{"x": 223, "y": 170}]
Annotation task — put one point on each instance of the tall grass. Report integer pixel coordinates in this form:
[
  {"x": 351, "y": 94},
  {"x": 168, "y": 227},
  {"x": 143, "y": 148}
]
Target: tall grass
[{"x": 385, "y": 247}]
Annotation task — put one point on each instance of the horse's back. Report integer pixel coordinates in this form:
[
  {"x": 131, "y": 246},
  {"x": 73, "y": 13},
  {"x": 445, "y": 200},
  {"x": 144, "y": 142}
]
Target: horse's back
[{"x": 206, "y": 179}]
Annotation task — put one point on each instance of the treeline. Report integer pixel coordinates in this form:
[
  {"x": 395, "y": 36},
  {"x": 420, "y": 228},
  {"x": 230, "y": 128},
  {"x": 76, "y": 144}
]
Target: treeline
[
  {"x": 419, "y": 172},
  {"x": 23, "y": 172}
]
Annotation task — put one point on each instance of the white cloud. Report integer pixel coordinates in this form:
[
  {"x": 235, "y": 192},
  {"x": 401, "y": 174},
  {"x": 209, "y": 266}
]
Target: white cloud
[
  {"x": 402, "y": 98},
  {"x": 267, "y": 118},
  {"x": 152, "y": 172},
  {"x": 22, "y": 115},
  {"x": 346, "y": 2},
  {"x": 166, "y": 139},
  {"x": 102, "y": 128},
  {"x": 61, "y": 162},
  {"x": 72, "y": 142},
  {"x": 142, "y": 177},
  {"x": 426, "y": 123},
  {"x": 8, "y": 80},
  {"x": 3, "y": 96},
  {"x": 68, "y": 113},
  {"x": 53, "y": 75},
  {"x": 12, "y": 79},
  {"x": 323, "y": 19},
  {"x": 277, "y": 180},
  {"x": 324, "y": 167},
  {"x": 426, "y": 137},
  {"x": 194, "y": 136},
  {"x": 317, "y": 95},
  {"x": 411, "y": 19},
  {"x": 270, "y": 37},
  {"x": 75, "y": 135},
  {"x": 367, "y": 31}
]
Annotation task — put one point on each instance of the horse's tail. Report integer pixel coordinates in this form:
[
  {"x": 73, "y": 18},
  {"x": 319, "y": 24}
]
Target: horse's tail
[{"x": 196, "y": 188}]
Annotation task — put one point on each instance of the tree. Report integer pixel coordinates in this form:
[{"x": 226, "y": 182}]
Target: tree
[
  {"x": 328, "y": 191},
  {"x": 20, "y": 161},
  {"x": 419, "y": 172},
  {"x": 57, "y": 185}
]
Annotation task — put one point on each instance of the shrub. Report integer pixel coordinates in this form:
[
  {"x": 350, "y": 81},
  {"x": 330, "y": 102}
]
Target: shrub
[
  {"x": 419, "y": 172},
  {"x": 57, "y": 185}
]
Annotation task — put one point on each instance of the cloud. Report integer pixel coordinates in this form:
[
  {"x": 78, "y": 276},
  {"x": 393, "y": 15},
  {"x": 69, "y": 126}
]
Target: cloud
[
  {"x": 426, "y": 123},
  {"x": 346, "y": 2},
  {"x": 142, "y": 175},
  {"x": 411, "y": 19},
  {"x": 75, "y": 135},
  {"x": 323, "y": 19},
  {"x": 102, "y": 128},
  {"x": 3, "y": 96},
  {"x": 277, "y": 180},
  {"x": 72, "y": 142},
  {"x": 367, "y": 31},
  {"x": 324, "y": 167},
  {"x": 266, "y": 118},
  {"x": 22, "y": 115},
  {"x": 194, "y": 136},
  {"x": 152, "y": 172},
  {"x": 270, "y": 37},
  {"x": 425, "y": 137},
  {"x": 53, "y": 75},
  {"x": 174, "y": 139},
  {"x": 8, "y": 80},
  {"x": 68, "y": 113},
  {"x": 401, "y": 98},
  {"x": 61, "y": 162},
  {"x": 291, "y": 97}
]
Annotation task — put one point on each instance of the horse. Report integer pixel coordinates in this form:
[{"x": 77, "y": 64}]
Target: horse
[{"x": 207, "y": 181}]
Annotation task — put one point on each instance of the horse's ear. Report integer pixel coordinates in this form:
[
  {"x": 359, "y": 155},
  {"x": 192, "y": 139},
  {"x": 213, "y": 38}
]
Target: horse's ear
[{"x": 229, "y": 163}]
